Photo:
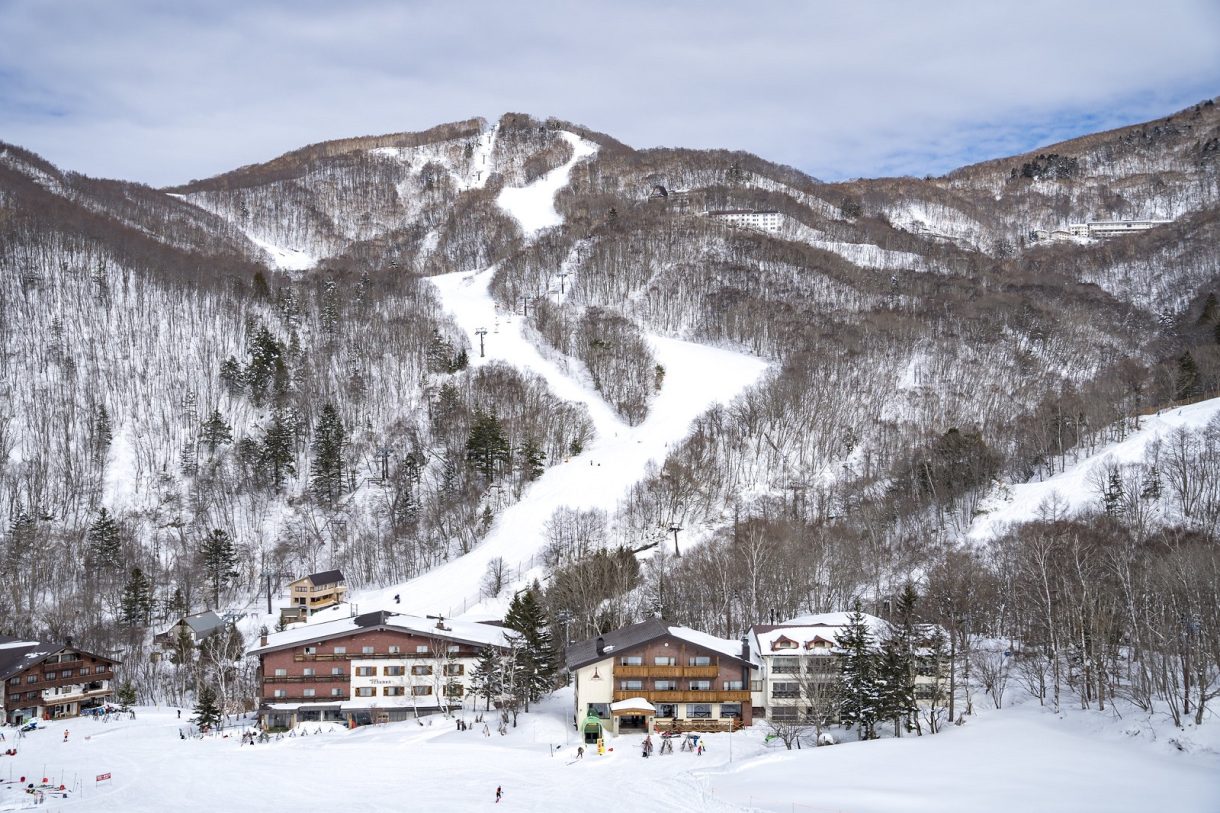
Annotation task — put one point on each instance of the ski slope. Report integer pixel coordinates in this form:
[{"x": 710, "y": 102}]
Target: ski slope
[
  {"x": 1073, "y": 488},
  {"x": 533, "y": 205},
  {"x": 696, "y": 377}
]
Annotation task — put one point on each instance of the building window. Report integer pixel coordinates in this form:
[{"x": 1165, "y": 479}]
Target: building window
[
  {"x": 336, "y": 692},
  {"x": 395, "y": 649},
  {"x": 454, "y": 669},
  {"x": 15, "y": 697},
  {"x": 700, "y": 685},
  {"x": 454, "y": 690},
  {"x": 665, "y": 660},
  {"x": 631, "y": 660},
  {"x": 453, "y": 648},
  {"x": 340, "y": 650},
  {"x": 30, "y": 679},
  {"x": 366, "y": 650},
  {"x": 393, "y": 671},
  {"x": 365, "y": 691},
  {"x": 421, "y": 670},
  {"x": 667, "y": 710},
  {"x": 280, "y": 693},
  {"x": 281, "y": 672},
  {"x": 336, "y": 670},
  {"x": 14, "y": 680},
  {"x": 365, "y": 671},
  {"x": 666, "y": 685},
  {"x": 101, "y": 670},
  {"x": 421, "y": 691},
  {"x": 730, "y": 710},
  {"x": 421, "y": 649},
  {"x": 733, "y": 685},
  {"x": 699, "y": 711},
  {"x": 309, "y": 672},
  {"x": 309, "y": 692},
  {"x": 785, "y": 690},
  {"x": 311, "y": 650},
  {"x": 699, "y": 660},
  {"x": 631, "y": 685},
  {"x": 601, "y": 710},
  {"x": 392, "y": 691},
  {"x": 786, "y": 664}
]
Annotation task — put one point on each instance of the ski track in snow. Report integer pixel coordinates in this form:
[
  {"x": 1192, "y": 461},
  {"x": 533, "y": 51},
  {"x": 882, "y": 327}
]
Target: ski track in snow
[
  {"x": 696, "y": 377},
  {"x": 285, "y": 259},
  {"x": 533, "y": 205},
  {"x": 1072, "y": 486}
]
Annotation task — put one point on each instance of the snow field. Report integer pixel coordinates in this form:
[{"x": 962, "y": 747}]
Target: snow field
[
  {"x": 1022, "y": 502},
  {"x": 1020, "y": 759}
]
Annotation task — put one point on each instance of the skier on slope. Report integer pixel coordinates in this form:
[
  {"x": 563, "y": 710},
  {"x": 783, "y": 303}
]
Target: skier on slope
[{"x": 499, "y": 793}]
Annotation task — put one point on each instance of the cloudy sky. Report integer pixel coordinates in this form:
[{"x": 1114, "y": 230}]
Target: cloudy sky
[{"x": 163, "y": 92}]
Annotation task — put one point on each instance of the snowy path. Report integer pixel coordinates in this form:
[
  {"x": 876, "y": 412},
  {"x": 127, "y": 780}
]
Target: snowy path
[
  {"x": 696, "y": 377},
  {"x": 534, "y": 205},
  {"x": 1072, "y": 487}
]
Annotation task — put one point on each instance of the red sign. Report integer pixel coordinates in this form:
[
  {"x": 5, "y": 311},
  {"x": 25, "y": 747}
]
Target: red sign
[{"x": 101, "y": 777}]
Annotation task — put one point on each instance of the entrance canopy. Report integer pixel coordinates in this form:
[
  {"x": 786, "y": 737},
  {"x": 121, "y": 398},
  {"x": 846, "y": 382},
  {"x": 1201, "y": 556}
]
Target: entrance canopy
[{"x": 632, "y": 706}]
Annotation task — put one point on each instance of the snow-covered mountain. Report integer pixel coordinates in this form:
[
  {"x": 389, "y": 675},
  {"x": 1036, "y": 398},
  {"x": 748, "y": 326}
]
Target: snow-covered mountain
[{"x": 866, "y": 372}]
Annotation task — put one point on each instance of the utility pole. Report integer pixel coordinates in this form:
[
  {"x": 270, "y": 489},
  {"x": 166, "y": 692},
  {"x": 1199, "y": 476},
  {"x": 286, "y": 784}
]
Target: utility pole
[
  {"x": 481, "y": 332},
  {"x": 383, "y": 453},
  {"x": 563, "y": 275},
  {"x": 674, "y": 530}
]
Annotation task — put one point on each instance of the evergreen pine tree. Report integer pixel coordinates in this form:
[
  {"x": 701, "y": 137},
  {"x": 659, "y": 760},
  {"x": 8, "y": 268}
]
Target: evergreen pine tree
[
  {"x": 1187, "y": 383},
  {"x": 898, "y": 664},
  {"x": 216, "y": 431},
  {"x": 326, "y": 468},
  {"x": 105, "y": 546},
  {"x": 1150, "y": 486},
  {"x": 485, "y": 678},
  {"x": 267, "y": 372},
  {"x": 861, "y": 688},
  {"x": 177, "y": 604},
  {"x": 232, "y": 377},
  {"x": 219, "y": 559},
  {"x": 487, "y": 447},
  {"x": 135, "y": 606},
  {"x": 277, "y": 452},
  {"x": 537, "y": 656},
  {"x": 102, "y": 433},
  {"x": 207, "y": 712},
  {"x": 126, "y": 695},
  {"x": 533, "y": 460}
]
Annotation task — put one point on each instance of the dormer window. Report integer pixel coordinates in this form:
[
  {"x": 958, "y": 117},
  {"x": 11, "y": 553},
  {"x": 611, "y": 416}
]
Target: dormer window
[{"x": 784, "y": 642}]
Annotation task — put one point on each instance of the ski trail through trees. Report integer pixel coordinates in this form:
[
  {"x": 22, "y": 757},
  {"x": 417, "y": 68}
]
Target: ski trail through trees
[{"x": 696, "y": 377}]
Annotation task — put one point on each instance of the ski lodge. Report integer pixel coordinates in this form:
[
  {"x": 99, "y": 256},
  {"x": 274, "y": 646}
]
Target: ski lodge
[{"x": 49, "y": 681}]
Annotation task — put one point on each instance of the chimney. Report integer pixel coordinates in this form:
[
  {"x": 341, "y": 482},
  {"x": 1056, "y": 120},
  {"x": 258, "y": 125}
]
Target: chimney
[
  {"x": 68, "y": 641},
  {"x": 745, "y": 648},
  {"x": 262, "y": 639},
  {"x": 601, "y": 645}
]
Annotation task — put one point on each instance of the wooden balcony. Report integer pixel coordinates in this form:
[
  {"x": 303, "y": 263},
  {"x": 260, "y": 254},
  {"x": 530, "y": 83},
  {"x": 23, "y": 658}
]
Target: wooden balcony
[
  {"x": 666, "y": 671},
  {"x": 306, "y": 678},
  {"x": 684, "y": 696}
]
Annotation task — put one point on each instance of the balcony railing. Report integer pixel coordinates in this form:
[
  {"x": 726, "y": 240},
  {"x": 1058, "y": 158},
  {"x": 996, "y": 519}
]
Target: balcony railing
[
  {"x": 361, "y": 656},
  {"x": 666, "y": 671},
  {"x": 683, "y": 696},
  {"x": 306, "y": 678}
]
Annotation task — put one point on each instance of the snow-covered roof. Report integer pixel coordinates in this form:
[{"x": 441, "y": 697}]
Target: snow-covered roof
[
  {"x": 722, "y": 645},
  {"x": 633, "y": 704},
  {"x": 803, "y": 630},
  {"x": 470, "y": 632},
  {"x": 627, "y": 638}
]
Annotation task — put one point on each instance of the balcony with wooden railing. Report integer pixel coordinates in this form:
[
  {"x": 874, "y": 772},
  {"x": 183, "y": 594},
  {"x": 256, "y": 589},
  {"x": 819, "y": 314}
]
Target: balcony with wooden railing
[
  {"x": 684, "y": 695},
  {"x": 306, "y": 678},
  {"x": 666, "y": 671}
]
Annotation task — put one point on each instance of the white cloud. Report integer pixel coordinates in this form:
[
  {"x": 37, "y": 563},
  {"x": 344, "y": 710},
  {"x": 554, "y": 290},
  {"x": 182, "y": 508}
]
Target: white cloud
[{"x": 165, "y": 92}]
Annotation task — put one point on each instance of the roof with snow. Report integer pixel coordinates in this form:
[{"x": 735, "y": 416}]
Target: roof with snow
[
  {"x": 203, "y": 624},
  {"x": 475, "y": 633},
  {"x": 630, "y": 637},
  {"x": 804, "y": 632}
]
